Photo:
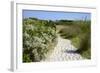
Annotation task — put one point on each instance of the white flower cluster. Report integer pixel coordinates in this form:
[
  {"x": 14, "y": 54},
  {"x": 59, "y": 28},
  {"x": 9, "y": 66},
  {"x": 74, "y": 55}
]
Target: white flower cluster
[{"x": 37, "y": 38}]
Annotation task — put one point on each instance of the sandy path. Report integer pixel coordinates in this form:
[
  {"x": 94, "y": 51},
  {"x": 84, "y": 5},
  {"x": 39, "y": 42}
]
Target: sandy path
[{"x": 64, "y": 51}]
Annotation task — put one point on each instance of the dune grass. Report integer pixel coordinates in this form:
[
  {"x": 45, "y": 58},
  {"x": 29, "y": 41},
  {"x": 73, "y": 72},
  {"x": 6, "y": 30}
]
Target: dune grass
[{"x": 79, "y": 32}]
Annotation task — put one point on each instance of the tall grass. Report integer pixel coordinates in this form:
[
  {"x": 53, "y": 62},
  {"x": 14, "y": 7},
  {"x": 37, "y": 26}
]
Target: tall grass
[{"x": 79, "y": 32}]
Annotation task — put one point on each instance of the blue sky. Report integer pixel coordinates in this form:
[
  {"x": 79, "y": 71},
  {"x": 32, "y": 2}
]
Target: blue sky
[{"x": 51, "y": 15}]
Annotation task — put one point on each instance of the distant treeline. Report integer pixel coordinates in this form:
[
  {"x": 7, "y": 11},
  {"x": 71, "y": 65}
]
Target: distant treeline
[{"x": 59, "y": 22}]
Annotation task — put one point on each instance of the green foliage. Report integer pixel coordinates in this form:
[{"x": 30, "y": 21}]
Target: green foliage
[
  {"x": 79, "y": 32},
  {"x": 76, "y": 42},
  {"x": 26, "y": 58},
  {"x": 64, "y": 22},
  {"x": 87, "y": 54},
  {"x": 38, "y": 35},
  {"x": 85, "y": 46}
]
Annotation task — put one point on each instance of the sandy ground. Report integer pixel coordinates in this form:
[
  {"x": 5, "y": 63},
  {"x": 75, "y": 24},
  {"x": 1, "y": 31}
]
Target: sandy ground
[{"x": 64, "y": 51}]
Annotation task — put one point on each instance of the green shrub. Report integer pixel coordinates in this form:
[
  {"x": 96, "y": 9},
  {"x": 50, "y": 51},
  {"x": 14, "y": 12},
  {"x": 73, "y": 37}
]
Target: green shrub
[
  {"x": 38, "y": 36},
  {"x": 76, "y": 42},
  {"x": 85, "y": 46}
]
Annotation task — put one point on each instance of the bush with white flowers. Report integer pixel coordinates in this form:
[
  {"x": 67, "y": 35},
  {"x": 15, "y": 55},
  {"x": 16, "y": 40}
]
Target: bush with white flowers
[{"x": 39, "y": 37}]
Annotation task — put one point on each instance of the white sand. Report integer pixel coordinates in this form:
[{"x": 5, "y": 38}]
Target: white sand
[{"x": 60, "y": 52}]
